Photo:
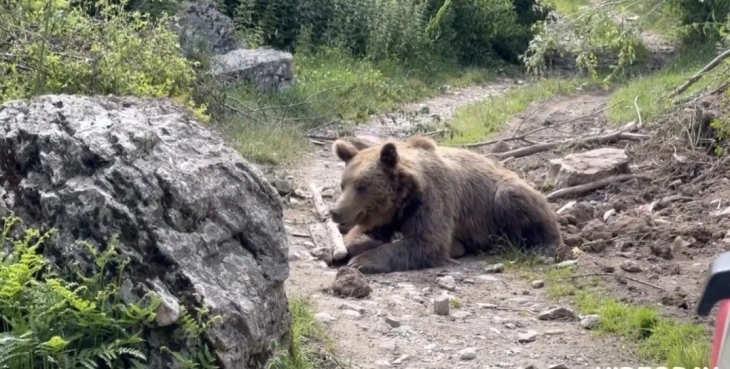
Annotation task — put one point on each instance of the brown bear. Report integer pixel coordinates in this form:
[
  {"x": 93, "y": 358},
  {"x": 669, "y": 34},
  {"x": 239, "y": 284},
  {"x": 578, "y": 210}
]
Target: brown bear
[{"x": 443, "y": 201}]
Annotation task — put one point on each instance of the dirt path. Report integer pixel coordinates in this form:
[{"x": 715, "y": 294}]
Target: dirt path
[{"x": 497, "y": 317}]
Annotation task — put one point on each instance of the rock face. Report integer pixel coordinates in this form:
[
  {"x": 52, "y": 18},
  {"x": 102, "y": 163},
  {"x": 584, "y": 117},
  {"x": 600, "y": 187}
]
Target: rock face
[
  {"x": 589, "y": 166},
  {"x": 201, "y": 26},
  {"x": 270, "y": 70},
  {"x": 200, "y": 224}
]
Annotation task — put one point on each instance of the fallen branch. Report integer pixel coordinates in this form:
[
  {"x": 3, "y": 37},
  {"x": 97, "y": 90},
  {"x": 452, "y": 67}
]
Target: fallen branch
[
  {"x": 338, "y": 245},
  {"x": 710, "y": 66},
  {"x": 638, "y": 112},
  {"x": 576, "y": 190},
  {"x": 523, "y": 137},
  {"x": 542, "y": 147},
  {"x": 616, "y": 276}
]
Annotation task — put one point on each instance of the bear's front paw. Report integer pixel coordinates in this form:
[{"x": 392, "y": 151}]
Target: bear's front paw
[{"x": 367, "y": 264}]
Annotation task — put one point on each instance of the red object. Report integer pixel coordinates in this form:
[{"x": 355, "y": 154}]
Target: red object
[{"x": 721, "y": 330}]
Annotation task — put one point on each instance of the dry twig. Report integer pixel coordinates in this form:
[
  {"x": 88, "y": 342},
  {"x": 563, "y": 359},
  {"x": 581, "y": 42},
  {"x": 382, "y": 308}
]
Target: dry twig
[
  {"x": 576, "y": 190},
  {"x": 710, "y": 66},
  {"x": 542, "y": 147},
  {"x": 618, "y": 276},
  {"x": 338, "y": 245}
]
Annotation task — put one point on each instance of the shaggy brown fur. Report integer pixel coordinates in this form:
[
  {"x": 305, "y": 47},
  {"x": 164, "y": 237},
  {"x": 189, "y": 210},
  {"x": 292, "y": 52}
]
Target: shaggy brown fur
[{"x": 443, "y": 201}]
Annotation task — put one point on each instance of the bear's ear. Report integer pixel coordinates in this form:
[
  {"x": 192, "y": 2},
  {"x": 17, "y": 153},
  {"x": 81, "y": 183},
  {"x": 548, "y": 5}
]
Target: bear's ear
[
  {"x": 389, "y": 155},
  {"x": 344, "y": 150}
]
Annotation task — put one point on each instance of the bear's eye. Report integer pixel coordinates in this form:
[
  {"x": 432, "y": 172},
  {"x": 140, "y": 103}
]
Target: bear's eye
[{"x": 361, "y": 189}]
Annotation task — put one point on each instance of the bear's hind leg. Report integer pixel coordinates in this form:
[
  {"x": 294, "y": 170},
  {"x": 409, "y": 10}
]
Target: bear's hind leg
[{"x": 524, "y": 217}]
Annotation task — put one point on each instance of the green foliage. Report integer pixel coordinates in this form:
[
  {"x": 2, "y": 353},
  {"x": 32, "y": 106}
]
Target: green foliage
[
  {"x": 50, "y": 46},
  {"x": 660, "y": 339},
  {"x": 332, "y": 86},
  {"x": 473, "y": 31},
  {"x": 64, "y": 318},
  {"x": 703, "y": 20},
  {"x": 307, "y": 340},
  {"x": 599, "y": 45}
]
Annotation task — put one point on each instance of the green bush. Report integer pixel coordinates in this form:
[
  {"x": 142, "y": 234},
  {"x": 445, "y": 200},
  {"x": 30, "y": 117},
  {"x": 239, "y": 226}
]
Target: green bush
[
  {"x": 63, "y": 318},
  {"x": 50, "y": 46},
  {"x": 473, "y": 31},
  {"x": 702, "y": 19}
]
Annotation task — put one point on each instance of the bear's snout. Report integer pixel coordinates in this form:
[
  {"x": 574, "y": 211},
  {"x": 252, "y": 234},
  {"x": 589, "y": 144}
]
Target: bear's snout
[{"x": 336, "y": 215}]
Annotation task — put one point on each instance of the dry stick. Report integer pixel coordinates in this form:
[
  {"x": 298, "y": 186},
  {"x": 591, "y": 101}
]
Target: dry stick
[
  {"x": 619, "y": 276},
  {"x": 529, "y": 116},
  {"x": 711, "y": 170},
  {"x": 710, "y": 66},
  {"x": 638, "y": 113},
  {"x": 523, "y": 137},
  {"x": 542, "y": 147},
  {"x": 338, "y": 245},
  {"x": 576, "y": 190}
]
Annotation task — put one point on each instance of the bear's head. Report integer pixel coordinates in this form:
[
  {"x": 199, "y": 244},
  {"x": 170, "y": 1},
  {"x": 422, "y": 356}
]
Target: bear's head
[{"x": 377, "y": 184}]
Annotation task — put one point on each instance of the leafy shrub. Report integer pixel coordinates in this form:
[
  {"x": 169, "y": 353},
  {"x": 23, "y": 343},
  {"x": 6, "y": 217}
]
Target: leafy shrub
[
  {"x": 49, "y": 320},
  {"x": 703, "y": 19},
  {"x": 50, "y": 46},
  {"x": 473, "y": 31}
]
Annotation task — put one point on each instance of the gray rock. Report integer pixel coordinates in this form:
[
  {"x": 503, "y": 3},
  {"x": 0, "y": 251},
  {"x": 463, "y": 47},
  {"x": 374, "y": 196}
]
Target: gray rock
[
  {"x": 202, "y": 28},
  {"x": 447, "y": 282},
  {"x": 468, "y": 354},
  {"x": 324, "y": 318},
  {"x": 539, "y": 283},
  {"x": 494, "y": 268},
  {"x": 441, "y": 305},
  {"x": 392, "y": 322},
  {"x": 630, "y": 266},
  {"x": 269, "y": 70},
  {"x": 585, "y": 167},
  {"x": 555, "y": 313},
  {"x": 527, "y": 337},
  {"x": 590, "y": 321},
  {"x": 188, "y": 209}
]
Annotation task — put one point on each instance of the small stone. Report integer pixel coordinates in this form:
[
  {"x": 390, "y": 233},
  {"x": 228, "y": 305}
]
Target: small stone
[
  {"x": 352, "y": 306},
  {"x": 382, "y": 363},
  {"x": 468, "y": 354},
  {"x": 283, "y": 187},
  {"x": 538, "y": 283},
  {"x": 392, "y": 322},
  {"x": 590, "y": 321},
  {"x": 400, "y": 359},
  {"x": 352, "y": 314},
  {"x": 554, "y": 332},
  {"x": 494, "y": 268},
  {"x": 630, "y": 266},
  {"x": 324, "y": 318},
  {"x": 487, "y": 278},
  {"x": 558, "y": 366},
  {"x": 567, "y": 263},
  {"x": 555, "y": 313},
  {"x": 328, "y": 193},
  {"x": 527, "y": 337},
  {"x": 293, "y": 256},
  {"x": 322, "y": 253},
  {"x": 441, "y": 305},
  {"x": 389, "y": 345},
  {"x": 447, "y": 282},
  {"x": 403, "y": 330}
]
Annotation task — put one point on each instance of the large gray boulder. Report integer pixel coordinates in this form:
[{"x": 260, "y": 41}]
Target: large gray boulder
[
  {"x": 268, "y": 69},
  {"x": 202, "y": 28},
  {"x": 200, "y": 224}
]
